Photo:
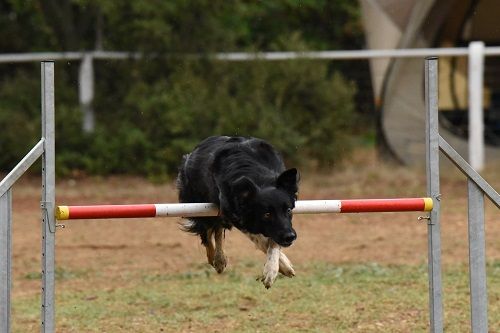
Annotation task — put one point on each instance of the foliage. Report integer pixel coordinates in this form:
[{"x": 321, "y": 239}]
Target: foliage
[{"x": 150, "y": 112}]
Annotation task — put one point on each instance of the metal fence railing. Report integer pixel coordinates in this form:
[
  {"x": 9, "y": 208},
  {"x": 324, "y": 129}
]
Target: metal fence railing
[{"x": 475, "y": 52}]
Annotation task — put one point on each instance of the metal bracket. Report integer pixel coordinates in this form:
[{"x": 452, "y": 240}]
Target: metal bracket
[
  {"x": 48, "y": 208},
  {"x": 428, "y": 218},
  {"x": 420, "y": 218}
]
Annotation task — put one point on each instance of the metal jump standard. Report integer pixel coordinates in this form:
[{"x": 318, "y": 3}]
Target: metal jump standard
[{"x": 45, "y": 148}]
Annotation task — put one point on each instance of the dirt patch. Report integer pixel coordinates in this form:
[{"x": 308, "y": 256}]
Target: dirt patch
[{"x": 110, "y": 248}]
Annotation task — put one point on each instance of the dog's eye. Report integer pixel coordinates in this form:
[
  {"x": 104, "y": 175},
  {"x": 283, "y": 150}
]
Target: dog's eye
[{"x": 267, "y": 216}]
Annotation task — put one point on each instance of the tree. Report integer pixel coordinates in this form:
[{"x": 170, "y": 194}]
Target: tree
[{"x": 149, "y": 112}]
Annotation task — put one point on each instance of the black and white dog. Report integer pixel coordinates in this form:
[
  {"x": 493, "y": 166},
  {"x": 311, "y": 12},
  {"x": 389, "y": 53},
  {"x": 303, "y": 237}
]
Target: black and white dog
[{"x": 246, "y": 178}]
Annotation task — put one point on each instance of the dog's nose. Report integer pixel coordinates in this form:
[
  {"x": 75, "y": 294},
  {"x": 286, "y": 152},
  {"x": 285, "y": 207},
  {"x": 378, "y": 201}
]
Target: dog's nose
[{"x": 289, "y": 237}]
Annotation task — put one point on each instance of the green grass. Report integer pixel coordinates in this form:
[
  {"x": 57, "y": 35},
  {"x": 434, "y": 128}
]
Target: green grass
[
  {"x": 321, "y": 298},
  {"x": 60, "y": 273}
]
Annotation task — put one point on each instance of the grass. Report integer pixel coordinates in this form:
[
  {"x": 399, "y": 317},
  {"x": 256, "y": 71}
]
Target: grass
[
  {"x": 60, "y": 273},
  {"x": 322, "y": 298},
  {"x": 121, "y": 277}
]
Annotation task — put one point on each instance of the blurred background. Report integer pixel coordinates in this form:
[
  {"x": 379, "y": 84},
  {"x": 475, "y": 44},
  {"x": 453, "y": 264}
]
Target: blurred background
[
  {"x": 138, "y": 84},
  {"x": 336, "y": 86}
]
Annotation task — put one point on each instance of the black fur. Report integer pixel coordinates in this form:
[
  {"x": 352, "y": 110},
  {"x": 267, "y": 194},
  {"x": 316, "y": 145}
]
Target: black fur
[{"x": 246, "y": 178}]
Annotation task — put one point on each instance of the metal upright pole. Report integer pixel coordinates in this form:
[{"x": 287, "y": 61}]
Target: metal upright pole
[
  {"x": 5, "y": 259},
  {"x": 86, "y": 92},
  {"x": 48, "y": 199},
  {"x": 477, "y": 256},
  {"x": 432, "y": 161},
  {"x": 477, "y": 259},
  {"x": 476, "y": 122}
]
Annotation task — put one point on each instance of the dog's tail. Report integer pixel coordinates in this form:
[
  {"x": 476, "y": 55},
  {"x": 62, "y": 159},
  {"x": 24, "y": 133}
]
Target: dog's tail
[
  {"x": 201, "y": 226},
  {"x": 189, "y": 225}
]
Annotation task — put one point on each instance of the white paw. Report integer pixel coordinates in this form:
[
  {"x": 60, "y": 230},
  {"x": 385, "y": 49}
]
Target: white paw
[
  {"x": 269, "y": 274},
  {"x": 286, "y": 267}
]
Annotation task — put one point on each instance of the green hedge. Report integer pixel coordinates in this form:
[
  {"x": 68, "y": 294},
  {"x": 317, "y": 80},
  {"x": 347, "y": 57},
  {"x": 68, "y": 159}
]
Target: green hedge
[
  {"x": 151, "y": 112},
  {"x": 305, "y": 112},
  {"x": 145, "y": 126}
]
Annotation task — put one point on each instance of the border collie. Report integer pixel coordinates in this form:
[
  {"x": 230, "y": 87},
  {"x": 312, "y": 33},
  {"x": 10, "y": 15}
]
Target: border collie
[{"x": 246, "y": 178}]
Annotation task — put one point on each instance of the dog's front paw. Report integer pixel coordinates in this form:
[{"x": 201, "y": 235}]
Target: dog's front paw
[
  {"x": 269, "y": 275},
  {"x": 220, "y": 262},
  {"x": 286, "y": 267}
]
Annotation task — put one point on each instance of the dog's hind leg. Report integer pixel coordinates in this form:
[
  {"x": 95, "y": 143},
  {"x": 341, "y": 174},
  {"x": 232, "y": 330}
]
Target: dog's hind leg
[
  {"x": 220, "y": 260},
  {"x": 262, "y": 243},
  {"x": 206, "y": 240}
]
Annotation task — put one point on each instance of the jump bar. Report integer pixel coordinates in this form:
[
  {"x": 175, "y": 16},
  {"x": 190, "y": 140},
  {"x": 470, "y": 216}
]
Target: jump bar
[{"x": 208, "y": 209}]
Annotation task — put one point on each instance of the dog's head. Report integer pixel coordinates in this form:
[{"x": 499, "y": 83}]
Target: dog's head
[{"x": 268, "y": 210}]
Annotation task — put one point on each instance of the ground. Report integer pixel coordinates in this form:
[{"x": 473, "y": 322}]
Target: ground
[{"x": 108, "y": 254}]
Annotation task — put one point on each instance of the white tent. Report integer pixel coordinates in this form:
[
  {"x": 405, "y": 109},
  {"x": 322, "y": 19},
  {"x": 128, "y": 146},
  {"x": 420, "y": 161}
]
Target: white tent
[{"x": 398, "y": 83}]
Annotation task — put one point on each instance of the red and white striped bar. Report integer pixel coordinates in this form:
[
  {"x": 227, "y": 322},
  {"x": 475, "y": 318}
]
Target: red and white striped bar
[{"x": 208, "y": 209}]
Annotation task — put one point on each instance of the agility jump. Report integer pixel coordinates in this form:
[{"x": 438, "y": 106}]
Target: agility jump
[
  {"x": 208, "y": 209},
  {"x": 434, "y": 143}
]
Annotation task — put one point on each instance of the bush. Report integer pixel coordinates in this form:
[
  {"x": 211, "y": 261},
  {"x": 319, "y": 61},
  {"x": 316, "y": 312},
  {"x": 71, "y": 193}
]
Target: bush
[
  {"x": 19, "y": 118},
  {"x": 306, "y": 113},
  {"x": 151, "y": 112},
  {"x": 303, "y": 111}
]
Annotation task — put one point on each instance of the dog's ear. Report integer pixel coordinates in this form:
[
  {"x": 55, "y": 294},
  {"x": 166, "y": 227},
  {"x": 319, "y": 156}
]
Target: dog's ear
[
  {"x": 244, "y": 189},
  {"x": 289, "y": 181}
]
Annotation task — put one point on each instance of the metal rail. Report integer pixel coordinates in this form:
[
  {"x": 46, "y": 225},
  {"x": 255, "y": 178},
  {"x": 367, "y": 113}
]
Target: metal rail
[
  {"x": 22, "y": 167},
  {"x": 246, "y": 56},
  {"x": 468, "y": 171}
]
